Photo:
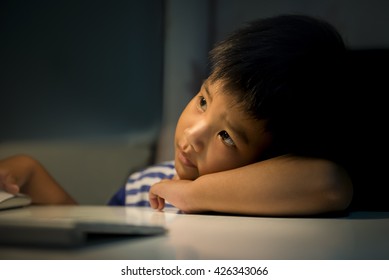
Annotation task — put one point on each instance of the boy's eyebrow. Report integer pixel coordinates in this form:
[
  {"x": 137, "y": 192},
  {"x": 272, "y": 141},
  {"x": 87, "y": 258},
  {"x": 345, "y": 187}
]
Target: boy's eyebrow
[
  {"x": 206, "y": 89},
  {"x": 238, "y": 131}
]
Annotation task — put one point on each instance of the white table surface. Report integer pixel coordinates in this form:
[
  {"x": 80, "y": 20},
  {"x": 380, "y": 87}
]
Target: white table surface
[{"x": 360, "y": 235}]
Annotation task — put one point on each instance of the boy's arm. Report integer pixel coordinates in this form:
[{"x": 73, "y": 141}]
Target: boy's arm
[
  {"x": 282, "y": 186},
  {"x": 26, "y": 175}
]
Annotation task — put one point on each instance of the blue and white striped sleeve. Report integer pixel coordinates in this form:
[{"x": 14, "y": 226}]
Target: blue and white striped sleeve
[
  {"x": 135, "y": 191},
  {"x": 139, "y": 183}
]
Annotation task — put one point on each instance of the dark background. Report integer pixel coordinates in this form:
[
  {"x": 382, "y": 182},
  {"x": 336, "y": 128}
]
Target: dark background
[{"x": 72, "y": 68}]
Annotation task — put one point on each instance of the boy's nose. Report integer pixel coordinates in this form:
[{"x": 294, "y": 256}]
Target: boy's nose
[{"x": 196, "y": 135}]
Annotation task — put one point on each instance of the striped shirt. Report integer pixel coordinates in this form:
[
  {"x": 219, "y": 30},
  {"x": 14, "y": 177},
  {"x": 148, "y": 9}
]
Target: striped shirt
[{"x": 136, "y": 191}]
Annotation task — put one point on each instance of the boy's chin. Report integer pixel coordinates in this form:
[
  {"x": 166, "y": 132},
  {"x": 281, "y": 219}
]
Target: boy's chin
[{"x": 183, "y": 174}]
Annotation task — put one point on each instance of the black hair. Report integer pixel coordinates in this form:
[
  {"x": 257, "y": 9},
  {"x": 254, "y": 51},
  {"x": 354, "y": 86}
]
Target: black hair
[{"x": 287, "y": 70}]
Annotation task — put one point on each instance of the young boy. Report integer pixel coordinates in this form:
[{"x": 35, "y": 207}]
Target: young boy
[{"x": 260, "y": 138}]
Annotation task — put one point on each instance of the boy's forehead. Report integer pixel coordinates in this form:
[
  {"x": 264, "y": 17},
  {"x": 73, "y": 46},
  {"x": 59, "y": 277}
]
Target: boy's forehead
[{"x": 216, "y": 87}]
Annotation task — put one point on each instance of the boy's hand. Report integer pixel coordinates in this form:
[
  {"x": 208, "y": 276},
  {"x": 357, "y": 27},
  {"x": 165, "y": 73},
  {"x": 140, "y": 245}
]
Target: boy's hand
[
  {"x": 156, "y": 201},
  {"x": 174, "y": 191},
  {"x": 22, "y": 173},
  {"x": 7, "y": 182}
]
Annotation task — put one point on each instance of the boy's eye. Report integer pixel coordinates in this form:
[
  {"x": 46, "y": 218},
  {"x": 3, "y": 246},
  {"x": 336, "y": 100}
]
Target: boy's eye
[
  {"x": 202, "y": 103},
  {"x": 226, "y": 138}
]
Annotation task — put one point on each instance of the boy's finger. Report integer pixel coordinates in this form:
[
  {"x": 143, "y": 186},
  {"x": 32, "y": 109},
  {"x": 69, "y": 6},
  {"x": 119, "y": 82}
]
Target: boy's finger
[
  {"x": 153, "y": 199},
  {"x": 161, "y": 203},
  {"x": 11, "y": 188},
  {"x": 7, "y": 182}
]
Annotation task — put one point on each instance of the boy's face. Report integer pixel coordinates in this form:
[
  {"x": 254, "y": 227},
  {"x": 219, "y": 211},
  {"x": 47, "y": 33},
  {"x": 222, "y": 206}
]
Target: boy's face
[{"x": 214, "y": 134}]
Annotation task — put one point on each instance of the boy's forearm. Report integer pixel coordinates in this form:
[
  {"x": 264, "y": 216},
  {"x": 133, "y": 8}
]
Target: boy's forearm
[
  {"x": 281, "y": 186},
  {"x": 34, "y": 180},
  {"x": 44, "y": 189}
]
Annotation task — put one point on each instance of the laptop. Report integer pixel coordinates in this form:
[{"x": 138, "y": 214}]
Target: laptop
[{"x": 66, "y": 226}]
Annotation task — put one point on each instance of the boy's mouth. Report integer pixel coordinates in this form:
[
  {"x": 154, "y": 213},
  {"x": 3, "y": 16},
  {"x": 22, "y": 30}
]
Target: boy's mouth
[{"x": 184, "y": 159}]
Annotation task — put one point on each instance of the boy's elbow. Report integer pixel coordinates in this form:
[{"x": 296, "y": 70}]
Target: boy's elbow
[{"x": 339, "y": 190}]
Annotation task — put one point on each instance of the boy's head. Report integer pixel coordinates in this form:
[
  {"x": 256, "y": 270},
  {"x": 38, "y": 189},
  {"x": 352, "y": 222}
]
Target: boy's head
[
  {"x": 214, "y": 134},
  {"x": 286, "y": 70},
  {"x": 271, "y": 91}
]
